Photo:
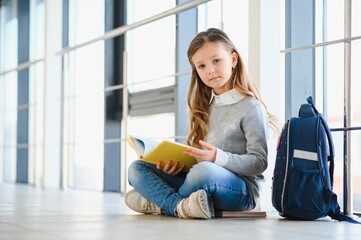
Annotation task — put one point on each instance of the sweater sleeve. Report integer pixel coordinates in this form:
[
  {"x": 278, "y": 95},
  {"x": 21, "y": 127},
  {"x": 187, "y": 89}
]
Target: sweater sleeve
[{"x": 254, "y": 161}]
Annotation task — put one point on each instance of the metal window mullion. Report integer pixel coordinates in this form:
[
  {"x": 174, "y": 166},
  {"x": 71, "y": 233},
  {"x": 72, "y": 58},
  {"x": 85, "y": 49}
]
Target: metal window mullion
[
  {"x": 64, "y": 174},
  {"x": 323, "y": 44},
  {"x": 22, "y": 66},
  {"x": 124, "y": 154},
  {"x": 120, "y": 86},
  {"x": 123, "y": 29},
  {"x": 348, "y": 198}
]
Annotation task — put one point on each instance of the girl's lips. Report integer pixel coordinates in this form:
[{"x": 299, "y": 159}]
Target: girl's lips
[{"x": 214, "y": 78}]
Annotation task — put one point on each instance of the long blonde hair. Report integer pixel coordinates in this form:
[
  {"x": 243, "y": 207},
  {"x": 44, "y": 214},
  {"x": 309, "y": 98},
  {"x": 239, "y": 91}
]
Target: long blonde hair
[{"x": 199, "y": 94}]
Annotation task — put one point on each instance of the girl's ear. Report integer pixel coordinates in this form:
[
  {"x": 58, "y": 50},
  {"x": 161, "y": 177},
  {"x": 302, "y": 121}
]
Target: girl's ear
[{"x": 234, "y": 59}]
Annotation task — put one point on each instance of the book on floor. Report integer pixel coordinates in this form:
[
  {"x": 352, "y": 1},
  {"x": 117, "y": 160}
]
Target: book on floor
[
  {"x": 241, "y": 214},
  {"x": 153, "y": 151}
]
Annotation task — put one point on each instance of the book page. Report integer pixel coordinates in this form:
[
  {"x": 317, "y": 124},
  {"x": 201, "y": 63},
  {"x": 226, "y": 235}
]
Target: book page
[{"x": 143, "y": 145}]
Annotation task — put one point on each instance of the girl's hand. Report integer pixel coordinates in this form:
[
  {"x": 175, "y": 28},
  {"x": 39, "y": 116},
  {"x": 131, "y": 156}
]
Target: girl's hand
[
  {"x": 171, "y": 168},
  {"x": 140, "y": 156},
  {"x": 207, "y": 153}
]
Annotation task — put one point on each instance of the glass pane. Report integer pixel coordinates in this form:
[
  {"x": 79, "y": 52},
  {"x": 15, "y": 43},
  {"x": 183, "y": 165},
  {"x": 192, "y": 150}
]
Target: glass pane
[
  {"x": 9, "y": 163},
  {"x": 37, "y": 26},
  {"x": 36, "y": 110},
  {"x": 141, "y": 9},
  {"x": 210, "y": 15},
  {"x": 356, "y": 165},
  {"x": 334, "y": 84},
  {"x": 86, "y": 20},
  {"x": 8, "y": 98},
  {"x": 150, "y": 55},
  {"x": 356, "y": 19},
  {"x": 334, "y": 26},
  {"x": 356, "y": 122},
  {"x": 152, "y": 64},
  {"x": 162, "y": 126},
  {"x": 9, "y": 88},
  {"x": 8, "y": 36},
  {"x": 320, "y": 91},
  {"x": 84, "y": 116}
]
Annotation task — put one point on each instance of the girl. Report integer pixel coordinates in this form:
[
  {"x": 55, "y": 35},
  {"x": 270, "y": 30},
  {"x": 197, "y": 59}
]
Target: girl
[{"x": 228, "y": 137}]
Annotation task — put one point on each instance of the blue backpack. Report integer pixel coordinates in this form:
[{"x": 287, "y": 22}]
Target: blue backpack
[{"x": 303, "y": 175}]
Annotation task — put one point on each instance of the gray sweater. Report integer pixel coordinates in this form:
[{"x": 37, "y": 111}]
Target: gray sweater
[{"x": 239, "y": 131}]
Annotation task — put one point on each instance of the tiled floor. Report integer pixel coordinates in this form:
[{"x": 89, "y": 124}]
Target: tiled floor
[{"x": 32, "y": 213}]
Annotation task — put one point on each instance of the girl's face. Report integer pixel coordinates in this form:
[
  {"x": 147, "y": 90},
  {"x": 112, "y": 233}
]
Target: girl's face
[{"x": 214, "y": 65}]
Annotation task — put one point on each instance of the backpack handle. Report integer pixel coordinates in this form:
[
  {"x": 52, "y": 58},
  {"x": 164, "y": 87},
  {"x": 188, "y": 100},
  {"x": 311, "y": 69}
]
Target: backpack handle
[{"x": 329, "y": 138}]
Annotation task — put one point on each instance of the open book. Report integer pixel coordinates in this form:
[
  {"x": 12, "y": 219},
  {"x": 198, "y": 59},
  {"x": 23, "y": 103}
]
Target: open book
[{"x": 163, "y": 151}]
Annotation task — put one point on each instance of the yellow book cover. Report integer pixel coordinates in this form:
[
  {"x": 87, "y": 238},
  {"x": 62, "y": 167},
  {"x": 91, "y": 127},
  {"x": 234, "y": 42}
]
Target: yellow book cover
[{"x": 163, "y": 151}]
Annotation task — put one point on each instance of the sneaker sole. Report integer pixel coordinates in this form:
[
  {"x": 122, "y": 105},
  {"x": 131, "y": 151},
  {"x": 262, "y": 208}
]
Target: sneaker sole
[
  {"x": 126, "y": 197},
  {"x": 206, "y": 206}
]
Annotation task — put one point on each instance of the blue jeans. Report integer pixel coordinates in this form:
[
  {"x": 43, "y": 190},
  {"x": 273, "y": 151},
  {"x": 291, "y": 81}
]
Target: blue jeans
[{"x": 227, "y": 190}]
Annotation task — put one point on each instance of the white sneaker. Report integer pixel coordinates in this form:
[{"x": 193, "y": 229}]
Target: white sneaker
[
  {"x": 197, "y": 205},
  {"x": 140, "y": 204}
]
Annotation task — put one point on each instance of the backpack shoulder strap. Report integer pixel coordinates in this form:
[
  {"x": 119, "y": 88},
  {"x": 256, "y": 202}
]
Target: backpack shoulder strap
[
  {"x": 329, "y": 139},
  {"x": 334, "y": 211}
]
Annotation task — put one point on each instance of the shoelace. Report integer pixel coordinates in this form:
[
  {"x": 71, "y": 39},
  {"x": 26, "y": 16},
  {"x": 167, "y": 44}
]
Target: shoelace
[
  {"x": 148, "y": 205},
  {"x": 185, "y": 209}
]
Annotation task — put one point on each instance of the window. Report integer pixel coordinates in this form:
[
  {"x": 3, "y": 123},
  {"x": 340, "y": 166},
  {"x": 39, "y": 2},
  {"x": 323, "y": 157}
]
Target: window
[
  {"x": 320, "y": 71},
  {"x": 84, "y": 97}
]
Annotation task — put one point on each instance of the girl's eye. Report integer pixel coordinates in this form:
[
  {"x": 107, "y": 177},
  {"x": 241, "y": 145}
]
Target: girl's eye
[
  {"x": 216, "y": 60},
  {"x": 201, "y": 66}
]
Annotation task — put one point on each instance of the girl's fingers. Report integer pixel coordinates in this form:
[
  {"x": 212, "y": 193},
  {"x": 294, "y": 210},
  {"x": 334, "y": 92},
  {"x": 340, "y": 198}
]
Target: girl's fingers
[
  {"x": 178, "y": 170},
  {"x": 170, "y": 167},
  {"x": 206, "y": 145}
]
